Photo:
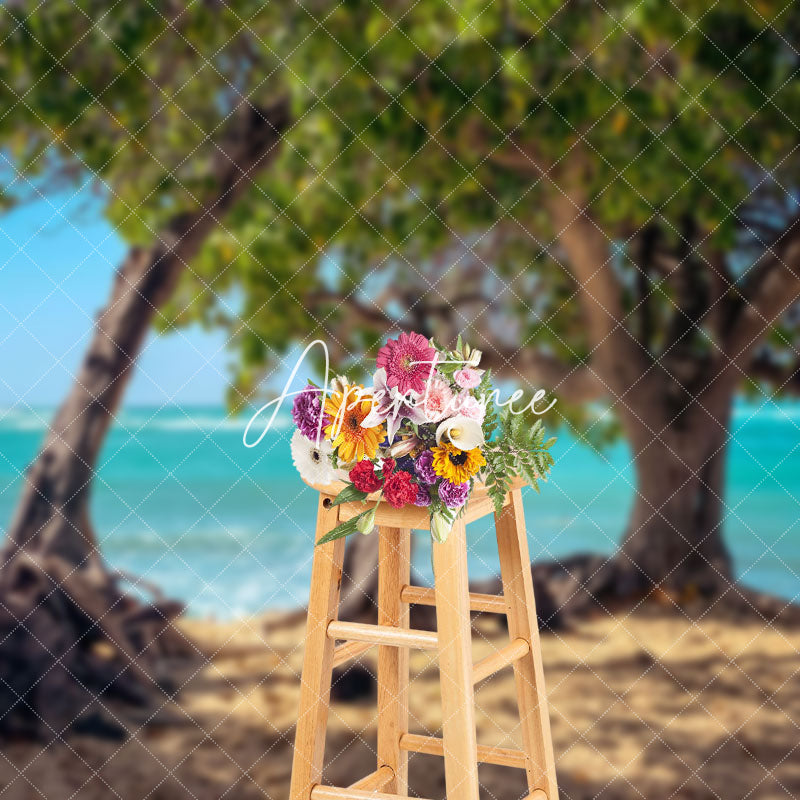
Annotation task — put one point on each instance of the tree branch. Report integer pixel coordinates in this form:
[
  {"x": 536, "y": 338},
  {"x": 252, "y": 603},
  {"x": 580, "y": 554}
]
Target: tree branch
[
  {"x": 771, "y": 288},
  {"x": 369, "y": 315},
  {"x": 575, "y": 384},
  {"x": 572, "y": 383},
  {"x": 617, "y": 356},
  {"x": 518, "y": 157}
]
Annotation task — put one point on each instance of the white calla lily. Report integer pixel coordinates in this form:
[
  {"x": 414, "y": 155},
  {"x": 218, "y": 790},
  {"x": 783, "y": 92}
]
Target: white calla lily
[{"x": 463, "y": 432}]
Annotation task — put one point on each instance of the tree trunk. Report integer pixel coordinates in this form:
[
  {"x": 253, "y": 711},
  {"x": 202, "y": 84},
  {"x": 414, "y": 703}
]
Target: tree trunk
[
  {"x": 52, "y": 516},
  {"x": 56, "y": 595},
  {"x": 674, "y": 539}
]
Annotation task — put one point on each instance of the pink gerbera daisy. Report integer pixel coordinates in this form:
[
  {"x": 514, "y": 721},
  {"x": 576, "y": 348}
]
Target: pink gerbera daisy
[{"x": 408, "y": 361}]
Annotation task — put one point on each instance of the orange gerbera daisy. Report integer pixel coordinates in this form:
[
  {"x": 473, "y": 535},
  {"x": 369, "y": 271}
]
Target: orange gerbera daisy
[{"x": 347, "y": 410}]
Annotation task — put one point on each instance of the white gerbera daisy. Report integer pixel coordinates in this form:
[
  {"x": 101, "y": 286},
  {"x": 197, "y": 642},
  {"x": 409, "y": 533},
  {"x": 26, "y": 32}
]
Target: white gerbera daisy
[{"x": 312, "y": 462}]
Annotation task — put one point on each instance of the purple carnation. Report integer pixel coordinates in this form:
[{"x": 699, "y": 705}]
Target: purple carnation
[
  {"x": 423, "y": 497},
  {"x": 454, "y": 495},
  {"x": 423, "y": 466},
  {"x": 306, "y": 412}
]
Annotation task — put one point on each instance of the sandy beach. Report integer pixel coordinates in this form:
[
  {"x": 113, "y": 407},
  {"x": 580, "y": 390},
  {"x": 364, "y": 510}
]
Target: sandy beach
[{"x": 650, "y": 705}]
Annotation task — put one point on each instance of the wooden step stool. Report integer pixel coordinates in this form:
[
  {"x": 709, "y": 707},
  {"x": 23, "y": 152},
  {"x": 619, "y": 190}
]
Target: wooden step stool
[{"x": 393, "y": 636}]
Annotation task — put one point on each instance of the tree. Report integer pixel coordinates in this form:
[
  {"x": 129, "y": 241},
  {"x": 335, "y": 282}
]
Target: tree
[
  {"x": 79, "y": 105},
  {"x": 173, "y": 112},
  {"x": 603, "y": 197}
]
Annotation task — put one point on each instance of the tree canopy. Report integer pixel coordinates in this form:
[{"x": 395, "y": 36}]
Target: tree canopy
[
  {"x": 426, "y": 180},
  {"x": 428, "y": 147}
]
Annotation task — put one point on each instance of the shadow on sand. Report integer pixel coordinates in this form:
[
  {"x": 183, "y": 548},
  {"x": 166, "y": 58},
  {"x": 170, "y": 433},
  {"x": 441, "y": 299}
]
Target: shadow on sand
[{"x": 706, "y": 709}]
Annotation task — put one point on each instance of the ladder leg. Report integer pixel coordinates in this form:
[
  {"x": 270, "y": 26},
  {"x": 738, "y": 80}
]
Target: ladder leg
[
  {"x": 394, "y": 572},
  {"x": 515, "y": 570},
  {"x": 455, "y": 665},
  {"x": 315, "y": 688}
]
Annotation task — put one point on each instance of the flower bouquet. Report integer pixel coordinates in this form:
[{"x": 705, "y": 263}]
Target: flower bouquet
[{"x": 429, "y": 427}]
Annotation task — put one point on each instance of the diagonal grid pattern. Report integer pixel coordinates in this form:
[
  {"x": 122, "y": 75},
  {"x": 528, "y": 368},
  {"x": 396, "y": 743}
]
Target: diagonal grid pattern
[{"x": 468, "y": 329}]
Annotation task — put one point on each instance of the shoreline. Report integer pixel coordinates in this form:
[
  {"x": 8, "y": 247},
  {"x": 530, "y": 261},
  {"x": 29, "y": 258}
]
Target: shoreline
[{"x": 254, "y": 554}]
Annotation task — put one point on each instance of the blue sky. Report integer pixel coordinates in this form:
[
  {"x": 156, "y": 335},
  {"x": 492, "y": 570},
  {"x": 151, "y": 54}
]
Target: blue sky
[{"x": 57, "y": 257}]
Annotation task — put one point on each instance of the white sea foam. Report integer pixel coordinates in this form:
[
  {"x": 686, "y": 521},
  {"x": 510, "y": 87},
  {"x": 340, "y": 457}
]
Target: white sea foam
[
  {"x": 21, "y": 419},
  {"x": 25, "y": 420}
]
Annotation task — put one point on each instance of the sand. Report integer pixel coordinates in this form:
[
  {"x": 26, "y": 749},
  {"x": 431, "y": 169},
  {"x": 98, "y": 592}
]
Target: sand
[{"x": 648, "y": 705}]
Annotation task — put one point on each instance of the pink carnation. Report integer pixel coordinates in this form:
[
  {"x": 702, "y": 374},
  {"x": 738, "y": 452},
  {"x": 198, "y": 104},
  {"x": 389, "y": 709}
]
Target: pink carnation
[
  {"x": 468, "y": 406},
  {"x": 467, "y": 378},
  {"x": 408, "y": 361},
  {"x": 437, "y": 402}
]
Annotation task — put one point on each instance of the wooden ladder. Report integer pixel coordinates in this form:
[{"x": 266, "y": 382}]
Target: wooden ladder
[{"x": 393, "y": 636}]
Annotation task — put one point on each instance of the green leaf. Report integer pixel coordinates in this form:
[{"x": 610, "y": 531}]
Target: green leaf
[
  {"x": 348, "y": 495},
  {"x": 497, "y": 499},
  {"x": 344, "y": 529}
]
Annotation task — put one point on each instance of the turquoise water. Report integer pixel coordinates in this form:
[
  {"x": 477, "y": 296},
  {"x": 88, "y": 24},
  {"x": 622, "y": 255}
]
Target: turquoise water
[{"x": 182, "y": 503}]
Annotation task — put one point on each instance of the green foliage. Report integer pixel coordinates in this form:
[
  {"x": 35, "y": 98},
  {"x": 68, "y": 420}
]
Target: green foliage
[
  {"x": 348, "y": 495},
  {"x": 519, "y": 449},
  {"x": 395, "y": 174},
  {"x": 344, "y": 528}
]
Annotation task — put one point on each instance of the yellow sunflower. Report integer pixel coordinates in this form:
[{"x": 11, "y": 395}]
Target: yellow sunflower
[
  {"x": 456, "y": 466},
  {"x": 347, "y": 409}
]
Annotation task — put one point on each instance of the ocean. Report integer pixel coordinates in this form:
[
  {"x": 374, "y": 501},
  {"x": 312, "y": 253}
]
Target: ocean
[{"x": 180, "y": 503}]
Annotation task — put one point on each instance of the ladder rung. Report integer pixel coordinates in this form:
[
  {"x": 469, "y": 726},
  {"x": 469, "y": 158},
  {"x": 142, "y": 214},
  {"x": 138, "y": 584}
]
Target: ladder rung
[
  {"x": 344, "y": 652},
  {"x": 320, "y": 792},
  {"x": 434, "y": 746},
  {"x": 382, "y": 634},
  {"x": 421, "y": 595},
  {"x": 512, "y": 652},
  {"x": 375, "y": 781}
]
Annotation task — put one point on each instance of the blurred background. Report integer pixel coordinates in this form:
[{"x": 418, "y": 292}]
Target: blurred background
[{"x": 600, "y": 196}]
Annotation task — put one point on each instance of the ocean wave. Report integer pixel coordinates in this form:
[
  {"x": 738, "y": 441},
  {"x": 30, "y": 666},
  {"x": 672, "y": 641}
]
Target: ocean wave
[
  {"x": 191, "y": 422},
  {"x": 13, "y": 419},
  {"x": 168, "y": 420}
]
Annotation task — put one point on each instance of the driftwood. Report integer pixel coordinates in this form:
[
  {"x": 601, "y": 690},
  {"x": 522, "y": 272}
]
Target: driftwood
[{"x": 73, "y": 643}]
